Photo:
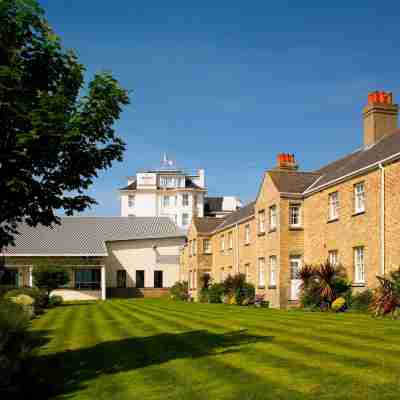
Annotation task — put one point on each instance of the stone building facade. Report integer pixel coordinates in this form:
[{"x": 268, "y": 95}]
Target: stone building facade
[{"x": 348, "y": 211}]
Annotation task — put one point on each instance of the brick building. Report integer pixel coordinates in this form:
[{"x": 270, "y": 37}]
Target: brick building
[{"x": 347, "y": 211}]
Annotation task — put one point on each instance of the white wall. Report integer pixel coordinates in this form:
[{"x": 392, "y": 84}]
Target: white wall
[
  {"x": 133, "y": 255},
  {"x": 145, "y": 204}
]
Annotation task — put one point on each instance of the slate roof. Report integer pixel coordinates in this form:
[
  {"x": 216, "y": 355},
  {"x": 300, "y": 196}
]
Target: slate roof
[
  {"x": 243, "y": 213},
  {"x": 293, "y": 181},
  {"x": 386, "y": 147},
  {"x": 207, "y": 225},
  {"x": 188, "y": 184},
  {"x": 87, "y": 235}
]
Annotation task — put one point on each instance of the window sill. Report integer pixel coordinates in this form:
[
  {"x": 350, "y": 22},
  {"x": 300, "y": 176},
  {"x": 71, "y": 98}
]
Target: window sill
[
  {"x": 358, "y": 284},
  {"x": 358, "y": 213},
  {"x": 261, "y": 287},
  {"x": 272, "y": 230},
  {"x": 260, "y": 233},
  {"x": 272, "y": 287},
  {"x": 247, "y": 244},
  {"x": 332, "y": 220},
  {"x": 295, "y": 228},
  {"x": 207, "y": 253}
]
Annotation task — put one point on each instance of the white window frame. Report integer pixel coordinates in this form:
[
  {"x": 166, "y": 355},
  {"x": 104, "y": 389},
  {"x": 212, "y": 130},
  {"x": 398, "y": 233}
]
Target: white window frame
[
  {"x": 247, "y": 271},
  {"x": 333, "y": 256},
  {"x": 185, "y": 200},
  {"x": 222, "y": 239},
  {"x": 247, "y": 234},
  {"x": 273, "y": 220},
  {"x": 292, "y": 207},
  {"x": 185, "y": 219},
  {"x": 273, "y": 263},
  {"x": 333, "y": 206},
  {"x": 194, "y": 244},
  {"x": 166, "y": 201},
  {"x": 261, "y": 221},
  {"x": 230, "y": 240},
  {"x": 359, "y": 197},
  {"x": 359, "y": 264},
  {"x": 261, "y": 272},
  {"x": 131, "y": 201},
  {"x": 207, "y": 246}
]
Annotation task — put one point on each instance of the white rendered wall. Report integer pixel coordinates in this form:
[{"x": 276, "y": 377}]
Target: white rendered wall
[
  {"x": 147, "y": 255},
  {"x": 145, "y": 204}
]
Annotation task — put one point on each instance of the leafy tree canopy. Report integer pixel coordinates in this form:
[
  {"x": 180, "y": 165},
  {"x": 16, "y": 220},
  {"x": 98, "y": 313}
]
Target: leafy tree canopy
[
  {"x": 53, "y": 139},
  {"x": 50, "y": 277}
]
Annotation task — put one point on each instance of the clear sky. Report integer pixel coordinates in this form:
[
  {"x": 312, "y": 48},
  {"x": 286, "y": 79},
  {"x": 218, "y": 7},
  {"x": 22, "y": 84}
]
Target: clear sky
[{"x": 226, "y": 85}]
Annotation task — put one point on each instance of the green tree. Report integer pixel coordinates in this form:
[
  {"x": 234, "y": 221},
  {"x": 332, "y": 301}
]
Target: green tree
[
  {"x": 49, "y": 277},
  {"x": 55, "y": 134}
]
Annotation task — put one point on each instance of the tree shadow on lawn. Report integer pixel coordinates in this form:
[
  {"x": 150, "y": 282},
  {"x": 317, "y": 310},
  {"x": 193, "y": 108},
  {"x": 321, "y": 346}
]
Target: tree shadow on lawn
[{"x": 68, "y": 371}]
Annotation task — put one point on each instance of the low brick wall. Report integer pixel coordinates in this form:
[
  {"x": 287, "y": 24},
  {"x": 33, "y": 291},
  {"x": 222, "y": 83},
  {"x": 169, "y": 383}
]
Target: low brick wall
[{"x": 136, "y": 292}]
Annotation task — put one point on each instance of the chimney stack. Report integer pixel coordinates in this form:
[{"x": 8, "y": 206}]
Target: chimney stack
[
  {"x": 286, "y": 161},
  {"x": 380, "y": 117}
]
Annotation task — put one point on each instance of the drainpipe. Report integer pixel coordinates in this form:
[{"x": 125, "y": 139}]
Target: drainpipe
[
  {"x": 382, "y": 219},
  {"x": 237, "y": 248}
]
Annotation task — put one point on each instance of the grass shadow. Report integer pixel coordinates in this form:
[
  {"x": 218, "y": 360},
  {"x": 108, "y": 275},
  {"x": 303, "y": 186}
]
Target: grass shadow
[{"x": 69, "y": 371}]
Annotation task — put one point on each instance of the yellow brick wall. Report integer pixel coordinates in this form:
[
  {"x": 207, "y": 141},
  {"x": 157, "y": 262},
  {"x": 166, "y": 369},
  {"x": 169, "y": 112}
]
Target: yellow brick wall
[
  {"x": 349, "y": 230},
  {"x": 392, "y": 216},
  {"x": 268, "y": 244}
]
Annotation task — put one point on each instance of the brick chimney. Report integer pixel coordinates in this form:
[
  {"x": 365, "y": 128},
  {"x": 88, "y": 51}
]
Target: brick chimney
[
  {"x": 286, "y": 161},
  {"x": 380, "y": 117}
]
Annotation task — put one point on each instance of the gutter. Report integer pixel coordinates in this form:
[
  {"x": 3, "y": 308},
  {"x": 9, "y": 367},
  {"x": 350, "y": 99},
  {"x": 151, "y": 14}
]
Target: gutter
[
  {"x": 353, "y": 173},
  {"x": 382, "y": 219},
  {"x": 237, "y": 248}
]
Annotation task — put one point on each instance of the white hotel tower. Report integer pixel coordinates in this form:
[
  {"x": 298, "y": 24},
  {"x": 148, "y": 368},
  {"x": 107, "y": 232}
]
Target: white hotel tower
[{"x": 166, "y": 191}]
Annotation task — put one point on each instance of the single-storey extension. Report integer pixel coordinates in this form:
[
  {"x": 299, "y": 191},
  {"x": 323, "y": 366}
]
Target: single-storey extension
[{"x": 105, "y": 256}]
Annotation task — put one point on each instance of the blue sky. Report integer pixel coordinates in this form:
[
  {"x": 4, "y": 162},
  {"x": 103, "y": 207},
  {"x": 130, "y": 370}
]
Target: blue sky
[{"x": 226, "y": 87}]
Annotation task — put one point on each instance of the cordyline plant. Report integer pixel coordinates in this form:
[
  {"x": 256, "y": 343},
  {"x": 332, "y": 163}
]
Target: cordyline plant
[
  {"x": 386, "y": 297},
  {"x": 54, "y": 139},
  {"x": 323, "y": 283}
]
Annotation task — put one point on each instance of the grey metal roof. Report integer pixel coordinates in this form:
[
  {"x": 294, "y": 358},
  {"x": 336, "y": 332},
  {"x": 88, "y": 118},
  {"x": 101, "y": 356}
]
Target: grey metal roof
[{"x": 87, "y": 235}]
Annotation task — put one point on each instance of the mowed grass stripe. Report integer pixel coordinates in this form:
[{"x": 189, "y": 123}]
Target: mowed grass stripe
[
  {"x": 328, "y": 336},
  {"x": 172, "y": 350}
]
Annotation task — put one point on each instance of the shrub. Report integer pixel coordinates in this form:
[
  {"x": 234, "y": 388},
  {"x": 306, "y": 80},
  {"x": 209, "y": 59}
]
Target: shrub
[
  {"x": 260, "y": 301},
  {"x": 386, "y": 297},
  {"x": 15, "y": 342},
  {"x": 26, "y": 302},
  {"x": 233, "y": 282},
  {"x": 39, "y": 296},
  {"x": 339, "y": 304},
  {"x": 362, "y": 300},
  {"x": 245, "y": 295},
  {"x": 55, "y": 301},
  {"x": 216, "y": 291},
  {"x": 50, "y": 277},
  {"x": 204, "y": 295},
  {"x": 322, "y": 285},
  {"x": 205, "y": 280},
  {"x": 180, "y": 291}
]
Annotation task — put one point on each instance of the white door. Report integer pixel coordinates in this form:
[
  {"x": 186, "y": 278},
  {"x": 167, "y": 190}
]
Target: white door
[{"x": 295, "y": 282}]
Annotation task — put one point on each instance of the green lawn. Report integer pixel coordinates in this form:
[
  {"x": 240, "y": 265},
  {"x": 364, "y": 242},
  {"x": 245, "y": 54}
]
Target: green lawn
[{"x": 159, "y": 349}]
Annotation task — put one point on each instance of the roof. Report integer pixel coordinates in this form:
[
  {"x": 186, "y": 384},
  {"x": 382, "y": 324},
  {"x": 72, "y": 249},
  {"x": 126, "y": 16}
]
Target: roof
[
  {"x": 213, "y": 204},
  {"x": 207, "y": 225},
  {"x": 388, "y": 146},
  {"x": 188, "y": 184},
  {"x": 243, "y": 213},
  {"x": 293, "y": 181},
  {"x": 86, "y": 236},
  {"x": 306, "y": 182}
]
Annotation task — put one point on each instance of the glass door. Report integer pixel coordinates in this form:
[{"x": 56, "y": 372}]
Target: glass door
[{"x": 295, "y": 282}]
